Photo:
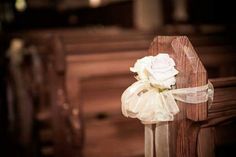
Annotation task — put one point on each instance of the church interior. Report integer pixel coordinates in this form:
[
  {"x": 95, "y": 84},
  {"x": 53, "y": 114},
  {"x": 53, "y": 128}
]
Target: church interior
[{"x": 64, "y": 65}]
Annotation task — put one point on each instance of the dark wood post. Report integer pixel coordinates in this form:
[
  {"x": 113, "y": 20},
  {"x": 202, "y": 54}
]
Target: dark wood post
[{"x": 183, "y": 131}]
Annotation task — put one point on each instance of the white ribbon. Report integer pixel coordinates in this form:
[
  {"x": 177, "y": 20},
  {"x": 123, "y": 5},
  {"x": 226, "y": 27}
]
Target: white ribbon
[{"x": 153, "y": 106}]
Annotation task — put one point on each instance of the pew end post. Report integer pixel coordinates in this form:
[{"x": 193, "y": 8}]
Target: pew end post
[{"x": 183, "y": 131}]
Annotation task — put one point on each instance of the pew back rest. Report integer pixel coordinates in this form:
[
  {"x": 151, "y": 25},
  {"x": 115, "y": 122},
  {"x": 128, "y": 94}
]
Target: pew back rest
[{"x": 189, "y": 123}]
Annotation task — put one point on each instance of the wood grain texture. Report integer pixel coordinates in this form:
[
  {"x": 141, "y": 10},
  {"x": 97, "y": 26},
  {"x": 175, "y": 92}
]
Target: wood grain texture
[
  {"x": 108, "y": 58},
  {"x": 223, "y": 82},
  {"x": 224, "y": 103},
  {"x": 192, "y": 74},
  {"x": 183, "y": 132},
  {"x": 206, "y": 146},
  {"x": 88, "y": 50},
  {"x": 217, "y": 130}
]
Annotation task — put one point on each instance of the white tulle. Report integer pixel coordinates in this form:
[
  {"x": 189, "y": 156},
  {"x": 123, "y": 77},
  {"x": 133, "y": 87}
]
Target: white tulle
[
  {"x": 152, "y": 106},
  {"x": 152, "y": 101}
]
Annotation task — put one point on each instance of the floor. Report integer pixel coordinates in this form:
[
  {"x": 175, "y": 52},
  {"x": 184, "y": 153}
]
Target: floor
[{"x": 107, "y": 132}]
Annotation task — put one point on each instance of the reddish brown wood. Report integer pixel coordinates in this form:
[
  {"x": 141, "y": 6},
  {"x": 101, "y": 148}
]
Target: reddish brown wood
[
  {"x": 67, "y": 127},
  {"x": 107, "y": 46},
  {"x": 183, "y": 132},
  {"x": 206, "y": 146},
  {"x": 58, "y": 53},
  {"x": 185, "y": 128},
  {"x": 223, "y": 82},
  {"x": 82, "y": 68},
  {"x": 224, "y": 104}
]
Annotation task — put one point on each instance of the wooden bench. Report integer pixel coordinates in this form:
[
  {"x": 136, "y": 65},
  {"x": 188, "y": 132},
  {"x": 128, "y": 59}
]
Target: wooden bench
[
  {"x": 101, "y": 64},
  {"x": 82, "y": 67},
  {"x": 190, "y": 134},
  {"x": 45, "y": 112}
]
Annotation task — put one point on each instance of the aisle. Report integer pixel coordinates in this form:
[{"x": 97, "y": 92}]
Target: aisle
[{"x": 108, "y": 133}]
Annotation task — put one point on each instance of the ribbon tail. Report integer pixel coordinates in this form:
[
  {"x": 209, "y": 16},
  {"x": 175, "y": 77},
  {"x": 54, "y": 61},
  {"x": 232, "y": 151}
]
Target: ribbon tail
[
  {"x": 149, "y": 141},
  {"x": 162, "y": 140}
]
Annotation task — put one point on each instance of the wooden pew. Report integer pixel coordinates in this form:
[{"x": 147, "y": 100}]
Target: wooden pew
[
  {"x": 66, "y": 118},
  {"x": 82, "y": 42},
  {"x": 218, "y": 131},
  {"x": 87, "y": 66},
  {"x": 19, "y": 115},
  {"x": 105, "y": 49},
  {"x": 76, "y": 100},
  {"x": 56, "y": 124},
  {"x": 191, "y": 132},
  {"x": 83, "y": 67}
]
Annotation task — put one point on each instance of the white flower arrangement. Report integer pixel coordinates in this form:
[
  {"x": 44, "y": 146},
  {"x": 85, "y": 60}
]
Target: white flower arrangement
[
  {"x": 152, "y": 100},
  {"x": 159, "y": 70}
]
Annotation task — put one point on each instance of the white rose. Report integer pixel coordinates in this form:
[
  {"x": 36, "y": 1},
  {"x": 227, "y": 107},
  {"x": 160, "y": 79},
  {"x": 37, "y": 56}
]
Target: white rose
[
  {"x": 162, "y": 71},
  {"x": 159, "y": 70},
  {"x": 140, "y": 67}
]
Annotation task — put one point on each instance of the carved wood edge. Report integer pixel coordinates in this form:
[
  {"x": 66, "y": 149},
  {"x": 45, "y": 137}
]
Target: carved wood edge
[
  {"x": 183, "y": 130},
  {"x": 71, "y": 113},
  {"x": 191, "y": 71}
]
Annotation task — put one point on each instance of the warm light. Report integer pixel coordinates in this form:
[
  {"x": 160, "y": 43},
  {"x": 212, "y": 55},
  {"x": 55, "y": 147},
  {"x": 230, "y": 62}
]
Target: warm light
[
  {"x": 94, "y": 3},
  {"x": 20, "y": 5}
]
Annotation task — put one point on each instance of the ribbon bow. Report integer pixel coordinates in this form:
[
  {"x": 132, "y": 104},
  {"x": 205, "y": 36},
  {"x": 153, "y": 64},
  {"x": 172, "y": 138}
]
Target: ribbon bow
[{"x": 152, "y": 105}]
